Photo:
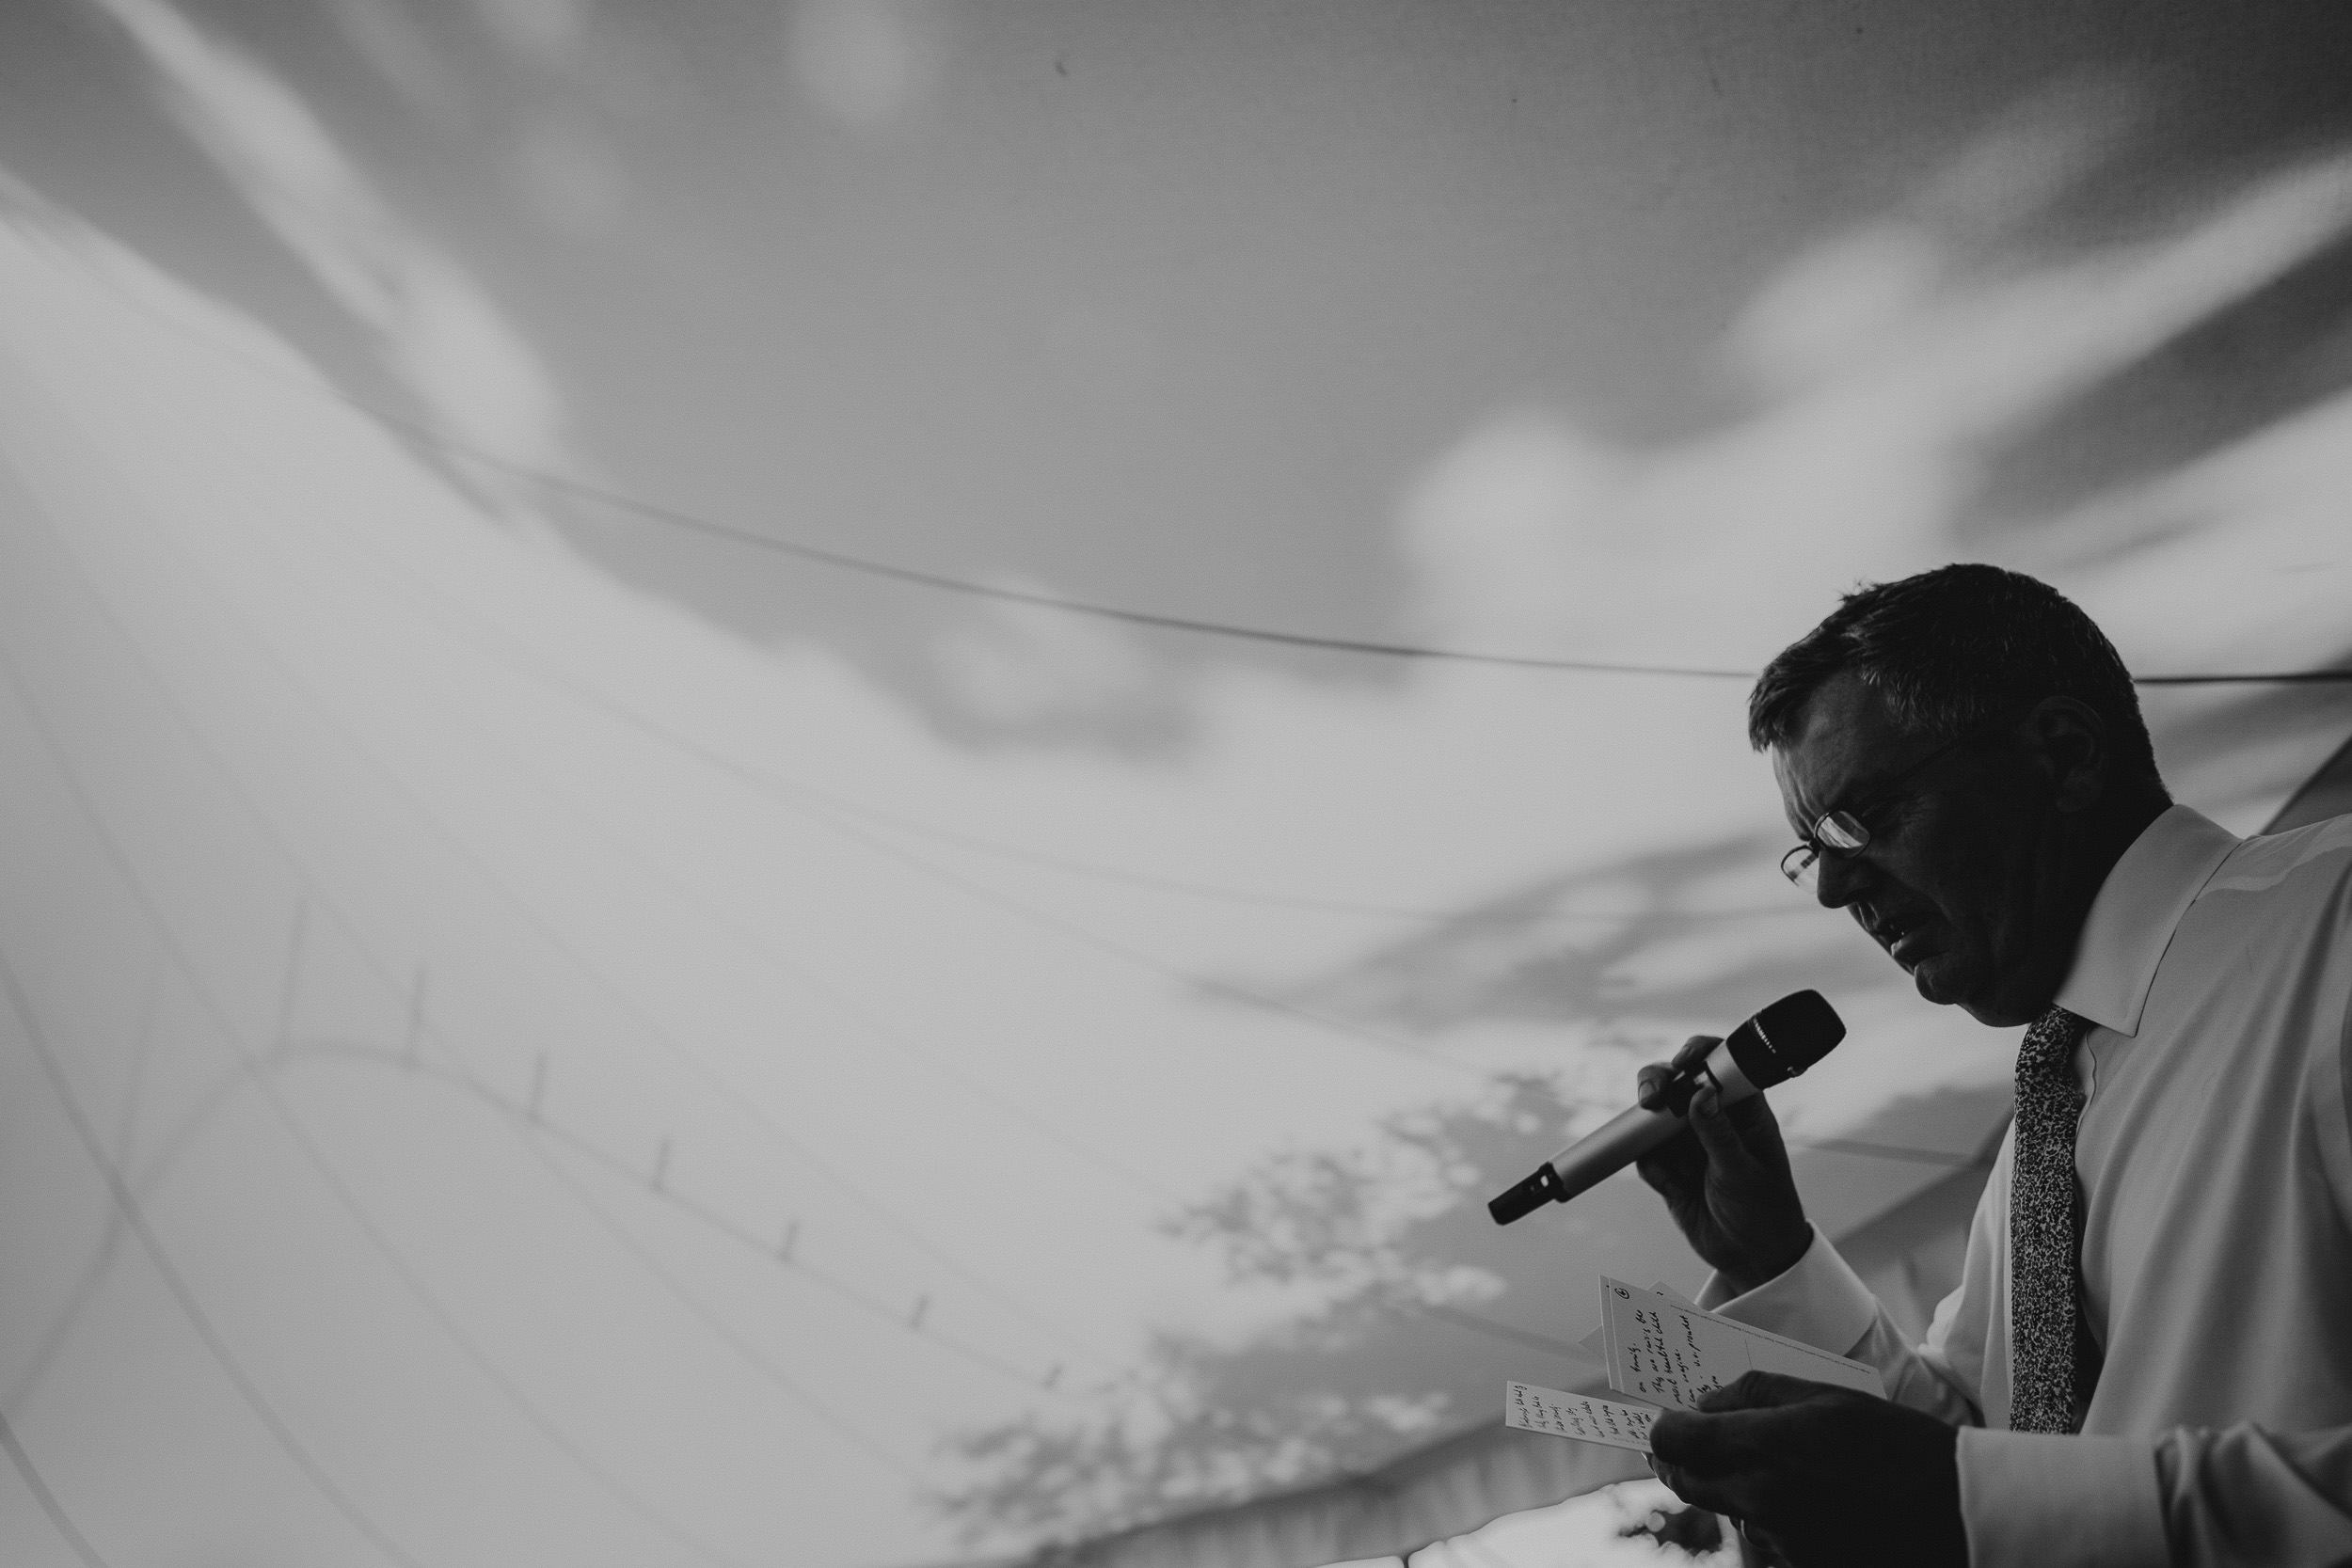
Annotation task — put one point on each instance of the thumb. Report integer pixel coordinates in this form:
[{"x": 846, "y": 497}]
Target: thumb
[{"x": 1708, "y": 1443}]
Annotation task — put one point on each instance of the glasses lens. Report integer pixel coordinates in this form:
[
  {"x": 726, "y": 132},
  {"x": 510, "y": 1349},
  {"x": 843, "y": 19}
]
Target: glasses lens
[
  {"x": 1802, "y": 866},
  {"x": 1840, "y": 832}
]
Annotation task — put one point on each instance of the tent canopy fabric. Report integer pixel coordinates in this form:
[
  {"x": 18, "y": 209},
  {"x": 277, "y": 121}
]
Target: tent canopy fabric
[{"x": 728, "y": 795}]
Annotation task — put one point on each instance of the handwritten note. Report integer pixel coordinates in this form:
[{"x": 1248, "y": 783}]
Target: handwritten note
[
  {"x": 1673, "y": 1354},
  {"x": 1578, "y": 1415}
]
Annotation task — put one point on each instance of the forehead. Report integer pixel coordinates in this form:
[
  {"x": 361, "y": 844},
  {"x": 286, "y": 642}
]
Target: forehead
[{"x": 1845, "y": 744}]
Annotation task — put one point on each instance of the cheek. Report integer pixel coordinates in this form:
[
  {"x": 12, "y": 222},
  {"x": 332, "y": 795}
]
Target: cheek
[
  {"x": 1969, "y": 887},
  {"x": 1991, "y": 903}
]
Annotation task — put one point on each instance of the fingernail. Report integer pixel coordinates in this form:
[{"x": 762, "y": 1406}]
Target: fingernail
[{"x": 1705, "y": 1101}]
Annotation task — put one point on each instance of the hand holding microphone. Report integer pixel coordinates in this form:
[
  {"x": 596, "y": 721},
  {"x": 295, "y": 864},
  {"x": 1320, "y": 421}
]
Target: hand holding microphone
[
  {"x": 1726, "y": 1180},
  {"x": 1703, "y": 1138}
]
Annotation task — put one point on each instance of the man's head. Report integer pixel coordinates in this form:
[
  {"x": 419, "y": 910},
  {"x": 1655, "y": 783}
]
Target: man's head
[{"x": 1986, "y": 736}]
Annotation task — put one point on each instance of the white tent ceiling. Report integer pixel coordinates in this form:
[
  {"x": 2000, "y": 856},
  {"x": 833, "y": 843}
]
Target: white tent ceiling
[{"x": 596, "y": 1073}]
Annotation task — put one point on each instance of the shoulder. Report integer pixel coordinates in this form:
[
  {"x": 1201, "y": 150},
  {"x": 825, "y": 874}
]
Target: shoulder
[
  {"x": 2272, "y": 919},
  {"x": 2309, "y": 863}
]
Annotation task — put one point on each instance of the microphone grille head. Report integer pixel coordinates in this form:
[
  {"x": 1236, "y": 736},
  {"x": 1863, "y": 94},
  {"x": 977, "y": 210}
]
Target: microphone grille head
[{"x": 1785, "y": 1038}]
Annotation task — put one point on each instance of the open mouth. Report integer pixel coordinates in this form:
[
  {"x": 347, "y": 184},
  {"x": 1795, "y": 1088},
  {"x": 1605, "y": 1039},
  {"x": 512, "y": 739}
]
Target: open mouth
[{"x": 1904, "y": 939}]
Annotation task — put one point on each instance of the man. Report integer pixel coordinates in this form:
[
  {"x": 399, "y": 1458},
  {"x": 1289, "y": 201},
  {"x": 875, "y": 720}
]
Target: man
[{"x": 2149, "y": 1358}]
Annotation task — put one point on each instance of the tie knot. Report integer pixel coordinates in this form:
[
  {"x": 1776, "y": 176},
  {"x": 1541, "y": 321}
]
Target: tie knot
[{"x": 2049, "y": 1045}]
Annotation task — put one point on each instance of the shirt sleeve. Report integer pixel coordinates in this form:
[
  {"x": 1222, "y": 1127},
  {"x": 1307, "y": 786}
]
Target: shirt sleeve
[
  {"x": 2194, "y": 1498},
  {"x": 1821, "y": 1302},
  {"x": 2241, "y": 1496},
  {"x": 2244, "y": 1495},
  {"x": 2034, "y": 1499}
]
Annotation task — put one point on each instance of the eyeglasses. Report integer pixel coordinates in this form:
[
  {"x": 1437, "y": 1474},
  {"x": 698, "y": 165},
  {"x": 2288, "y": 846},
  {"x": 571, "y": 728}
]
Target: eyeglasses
[{"x": 1843, "y": 834}]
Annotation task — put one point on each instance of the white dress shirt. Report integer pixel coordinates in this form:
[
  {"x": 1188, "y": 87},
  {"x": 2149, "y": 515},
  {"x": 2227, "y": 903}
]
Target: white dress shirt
[{"x": 2215, "y": 1154}]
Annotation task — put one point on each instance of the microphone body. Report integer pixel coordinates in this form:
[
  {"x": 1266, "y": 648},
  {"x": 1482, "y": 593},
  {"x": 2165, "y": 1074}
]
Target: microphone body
[{"x": 1774, "y": 1046}]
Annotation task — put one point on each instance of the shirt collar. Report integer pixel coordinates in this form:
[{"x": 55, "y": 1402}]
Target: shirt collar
[{"x": 2138, "y": 906}]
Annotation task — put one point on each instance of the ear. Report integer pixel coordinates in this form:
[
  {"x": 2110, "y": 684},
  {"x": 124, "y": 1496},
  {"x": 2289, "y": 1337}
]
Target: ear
[{"x": 2070, "y": 741}]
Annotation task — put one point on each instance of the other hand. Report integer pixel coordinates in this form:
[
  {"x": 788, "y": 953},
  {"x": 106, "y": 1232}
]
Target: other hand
[
  {"x": 1725, "y": 1179},
  {"x": 1826, "y": 1477}
]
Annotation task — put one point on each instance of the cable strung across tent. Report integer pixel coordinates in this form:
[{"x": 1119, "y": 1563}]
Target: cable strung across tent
[
  {"x": 946, "y": 583},
  {"x": 843, "y": 561},
  {"x": 595, "y": 1471},
  {"x": 828, "y": 809}
]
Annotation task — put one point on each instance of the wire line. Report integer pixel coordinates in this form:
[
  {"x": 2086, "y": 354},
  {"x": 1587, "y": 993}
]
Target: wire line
[
  {"x": 345, "y": 1197},
  {"x": 1031, "y": 915},
  {"x": 943, "y": 582},
  {"x": 373, "y": 569},
  {"x": 719, "y": 1084},
  {"x": 539, "y": 1128},
  {"x": 724, "y": 1090},
  {"x": 716, "y": 1083},
  {"x": 1223, "y": 989},
  {"x": 59, "y": 1517},
  {"x": 844, "y": 561},
  {"x": 110, "y": 1237},
  {"x": 772, "y": 958},
  {"x": 195, "y": 1121},
  {"x": 806, "y": 801},
  {"x": 128, "y": 1204}
]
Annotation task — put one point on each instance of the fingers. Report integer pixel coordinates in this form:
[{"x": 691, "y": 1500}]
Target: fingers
[
  {"x": 1743, "y": 1137},
  {"x": 1654, "y": 1078},
  {"x": 1675, "y": 1437},
  {"x": 1706, "y": 1492},
  {"x": 1694, "y": 1050},
  {"x": 1721, "y": 1463},
  {"x": 1761, "y": 1391},
  {"x": 1753, "y": 1116},
  {"x": 1676, "y": 1170},
  {"x": 1720, "y": 1136},
  {"x": 1734, "y": 1453}
]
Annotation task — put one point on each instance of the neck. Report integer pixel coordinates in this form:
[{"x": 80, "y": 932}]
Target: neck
[
  {"x": 2102, "y": 835},
  {"x": 2115, "y": 826},
  {"x": 2080, "y": 855}
]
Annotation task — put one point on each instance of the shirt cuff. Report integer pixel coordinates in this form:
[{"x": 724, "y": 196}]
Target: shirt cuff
[
  {"x": 2035, "y": 1499},
  {"x": 1818, "y": 1301}
]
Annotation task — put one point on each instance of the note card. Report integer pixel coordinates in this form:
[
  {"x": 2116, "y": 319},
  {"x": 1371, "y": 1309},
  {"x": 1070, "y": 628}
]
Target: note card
[
  {"x": 1673, "y": 1354},
  {"x": 1578, "y": 1415}
]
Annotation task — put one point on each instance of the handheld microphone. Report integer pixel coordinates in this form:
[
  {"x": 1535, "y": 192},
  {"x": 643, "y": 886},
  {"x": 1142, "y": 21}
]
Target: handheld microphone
[{"x": 1774, "y": 1046}]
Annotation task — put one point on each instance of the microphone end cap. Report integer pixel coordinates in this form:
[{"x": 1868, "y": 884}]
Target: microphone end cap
[{"x": 1543, "y": 1187}]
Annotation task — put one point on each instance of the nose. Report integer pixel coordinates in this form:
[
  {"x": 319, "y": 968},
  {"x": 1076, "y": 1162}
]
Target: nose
[{"x": 1839, "y": 879}]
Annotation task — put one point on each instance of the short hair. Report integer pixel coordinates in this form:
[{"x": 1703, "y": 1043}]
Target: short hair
[{"x": 1953, "y": 649}]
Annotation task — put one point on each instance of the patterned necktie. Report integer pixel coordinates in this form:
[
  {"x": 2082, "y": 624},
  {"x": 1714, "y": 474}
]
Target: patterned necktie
[{"x": 2044, "y": 1297}]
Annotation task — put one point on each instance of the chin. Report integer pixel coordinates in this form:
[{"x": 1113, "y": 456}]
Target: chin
[
  {"x": 1984, "y": 1004},
  {"x": 1995, "y": 997},
  {"x": 1945, "y": 983}
]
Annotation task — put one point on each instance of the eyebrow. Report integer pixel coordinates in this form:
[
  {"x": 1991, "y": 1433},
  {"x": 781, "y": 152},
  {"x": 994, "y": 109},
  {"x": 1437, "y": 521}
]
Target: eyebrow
[
  {"x": 1879, "y": 794},
  {"x": 1848, "y": 796}
]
